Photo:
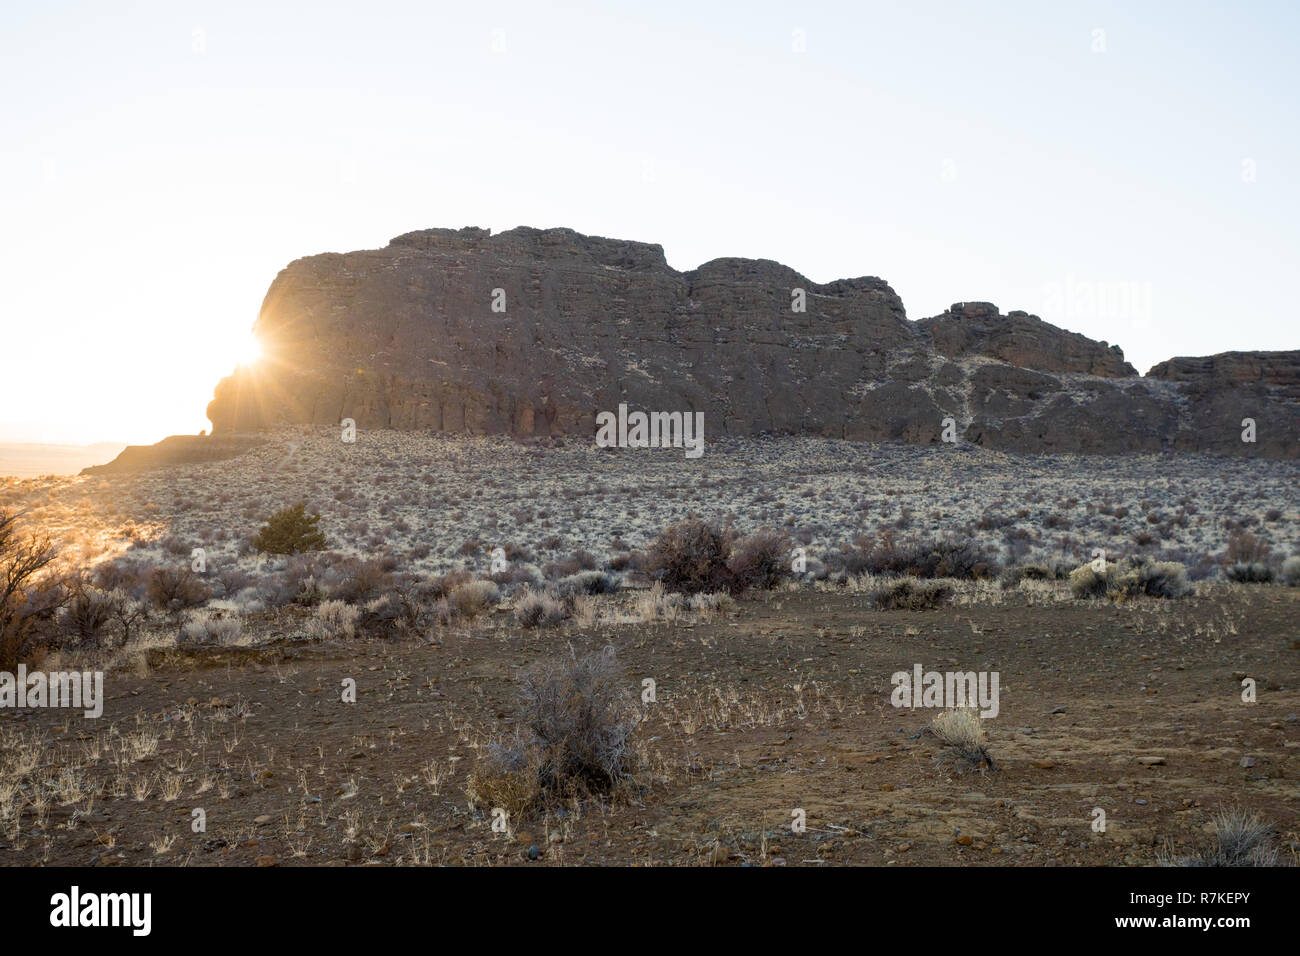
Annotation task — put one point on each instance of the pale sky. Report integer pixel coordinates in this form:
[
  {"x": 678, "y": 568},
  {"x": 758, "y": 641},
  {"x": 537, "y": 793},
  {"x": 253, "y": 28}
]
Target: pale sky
[{"x": 1125, "y": 170}]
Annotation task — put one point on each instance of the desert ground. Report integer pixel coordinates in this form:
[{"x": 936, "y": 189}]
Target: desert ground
[{"x": 230, "y": 695}]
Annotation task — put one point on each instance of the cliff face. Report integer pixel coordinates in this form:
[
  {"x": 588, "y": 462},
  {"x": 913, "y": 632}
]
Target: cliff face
[{"x": 533, "y": 332}]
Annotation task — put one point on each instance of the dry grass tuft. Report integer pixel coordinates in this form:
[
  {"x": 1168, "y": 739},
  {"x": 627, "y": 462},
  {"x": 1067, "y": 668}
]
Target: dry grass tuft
[
  {"x": 1240, "y": 839},
  {"x": 961, "y": 731}
]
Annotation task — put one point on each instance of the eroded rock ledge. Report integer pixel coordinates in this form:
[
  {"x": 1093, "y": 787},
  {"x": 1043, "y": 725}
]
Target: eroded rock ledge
[{"x": 406, "y": 337}]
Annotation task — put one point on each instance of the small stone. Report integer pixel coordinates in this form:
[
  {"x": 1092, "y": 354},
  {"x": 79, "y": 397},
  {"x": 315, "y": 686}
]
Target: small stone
[
  {"x": 263, "y": 820},
  {"x": 964, "y": 840},
  {"x": 1151, "y": 761},
  {"x": 534, "y": 852},
  {"x": 267, "y": 861}
]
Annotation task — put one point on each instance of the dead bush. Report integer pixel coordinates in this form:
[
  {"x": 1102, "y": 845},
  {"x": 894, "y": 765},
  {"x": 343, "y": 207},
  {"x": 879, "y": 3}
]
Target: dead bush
[
  {"x": 88, "y": 611},
  {"x": 691, "y": 556},
  {"x": 578, "y": 715},
  {"x": 175, "y": 589},
  {"x": 361, "y": 580},
  {"x": 1240, "y": 839},
  {"x": 906, "y": 594},
  {"x": 1245, "y": 548},
  {"x": 30, "y": 594},
  {"x": 760, "y": 561}
]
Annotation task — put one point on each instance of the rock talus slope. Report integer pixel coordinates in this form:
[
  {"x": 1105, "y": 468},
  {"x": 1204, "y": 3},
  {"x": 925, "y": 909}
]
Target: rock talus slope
[{"x": 533, "y": 332}]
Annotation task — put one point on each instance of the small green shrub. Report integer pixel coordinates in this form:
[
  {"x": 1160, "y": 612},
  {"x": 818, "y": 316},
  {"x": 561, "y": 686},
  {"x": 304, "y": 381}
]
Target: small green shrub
[{"x": 290, "y": 531}]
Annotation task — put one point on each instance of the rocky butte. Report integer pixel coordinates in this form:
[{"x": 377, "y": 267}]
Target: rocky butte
[{"x": 533, "y": 332}]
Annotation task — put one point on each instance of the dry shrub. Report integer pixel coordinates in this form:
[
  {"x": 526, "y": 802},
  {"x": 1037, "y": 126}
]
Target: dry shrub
[
  {"x": 577, "y": 561},
  {"x": 709, "y": 604},
  {"x": 87, "y": 613},
  {"x": 577, "y": 720},
  {"x": 207, "y": 628},
  {"x": 1291, "y": 571},
  {"x": 1087, "y": 581},
  {"x": 961, "y": 731},
  {"x": 1131, "y": 578},
  {"x": 657, "y": 604},
  {"x": 906, "y": 594},
  {"x": 691, "y": 557},
  {"x": 30, "y": 594},
  {"x": 1245, "y": 548},
  {"x": 360, "y": 580},
  {"x": 935, "y": 558},
  {"x": 175, "y": 589},
  {"x": 586, "y": 582},
  {"x": 334, "y": 620},
  {"x": 392, "y": 613},
  {"x": 1240, "y": 839},
  {"x": 539, "y": 609},
  {"x": 467, "y": 601},
  {"x": 760, "y": 561},
  {"x": 1249, "y": 572},
  {"x": 1162, "y": 579}
]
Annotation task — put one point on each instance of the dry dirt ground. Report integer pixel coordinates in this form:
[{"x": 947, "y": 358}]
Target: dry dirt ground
[{"x": 780, "y": 703}]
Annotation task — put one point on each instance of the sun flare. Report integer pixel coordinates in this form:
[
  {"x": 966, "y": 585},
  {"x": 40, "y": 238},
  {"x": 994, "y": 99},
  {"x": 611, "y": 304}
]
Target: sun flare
[{"x": 249, "y": 351}]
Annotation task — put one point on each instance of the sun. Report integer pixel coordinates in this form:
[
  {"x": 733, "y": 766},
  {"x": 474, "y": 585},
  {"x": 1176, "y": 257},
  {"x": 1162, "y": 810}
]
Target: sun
[{"x": 249, "y": 351}]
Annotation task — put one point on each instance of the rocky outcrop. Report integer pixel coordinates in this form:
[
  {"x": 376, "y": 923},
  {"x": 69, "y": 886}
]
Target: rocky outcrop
[
  {"x": 1017, "y": 338},
  {"x": 176, "y": 450},
  {"x": 1228, "y": 370},
  {"x": 533, "y": 332}
]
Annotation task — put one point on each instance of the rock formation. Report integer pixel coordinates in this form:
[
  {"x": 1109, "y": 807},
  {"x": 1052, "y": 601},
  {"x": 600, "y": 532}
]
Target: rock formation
[{"x": 533, "y": 332}]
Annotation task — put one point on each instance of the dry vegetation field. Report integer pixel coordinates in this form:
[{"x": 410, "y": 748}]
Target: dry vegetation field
[{"x": 491, "y": 626}]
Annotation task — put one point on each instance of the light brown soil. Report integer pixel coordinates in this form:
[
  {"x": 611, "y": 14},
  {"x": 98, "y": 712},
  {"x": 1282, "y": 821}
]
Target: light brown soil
[{"x": 782, "y": 704}]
